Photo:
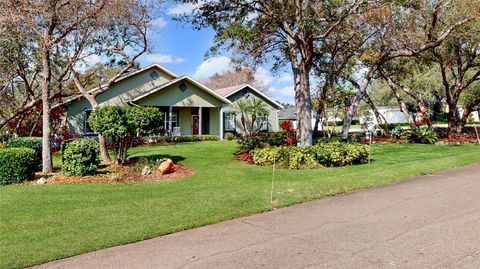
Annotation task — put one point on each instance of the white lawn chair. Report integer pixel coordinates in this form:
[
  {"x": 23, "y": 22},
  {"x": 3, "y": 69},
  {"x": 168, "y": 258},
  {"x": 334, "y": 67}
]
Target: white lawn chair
[{"x": 176, "y": 131}]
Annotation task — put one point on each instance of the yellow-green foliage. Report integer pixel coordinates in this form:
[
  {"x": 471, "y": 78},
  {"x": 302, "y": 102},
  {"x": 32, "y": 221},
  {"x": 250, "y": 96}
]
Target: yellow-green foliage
[{"x": 323, "y": 154}]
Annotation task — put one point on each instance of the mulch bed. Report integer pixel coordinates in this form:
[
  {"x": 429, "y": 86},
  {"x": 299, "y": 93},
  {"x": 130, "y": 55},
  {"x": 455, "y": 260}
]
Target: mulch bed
[
  {"x": 452, "y": 139},
  {"x": 459, "y": 139},
  {"x": 244, "y": 155},
  {"x": 118, "y": 174}
]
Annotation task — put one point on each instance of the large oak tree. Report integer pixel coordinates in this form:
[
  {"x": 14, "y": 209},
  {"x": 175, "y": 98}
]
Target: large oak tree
[{"x": 285, "y": 33}]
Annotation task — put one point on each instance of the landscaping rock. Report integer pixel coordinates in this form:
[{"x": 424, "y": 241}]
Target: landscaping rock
[
  {"x": 146, "y": 171},
  {"x": 41, "y": 181},
  {"x": 166, "y": 167}
]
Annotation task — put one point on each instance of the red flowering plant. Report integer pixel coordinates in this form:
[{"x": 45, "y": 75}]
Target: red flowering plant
[{"x": 291, "y": 137}]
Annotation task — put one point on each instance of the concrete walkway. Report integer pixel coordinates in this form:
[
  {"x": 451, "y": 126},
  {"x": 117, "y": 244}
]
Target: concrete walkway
[{"x": 431, "y": 221}]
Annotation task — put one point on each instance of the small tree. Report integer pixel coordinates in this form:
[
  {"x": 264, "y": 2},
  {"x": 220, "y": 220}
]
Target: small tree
[
  {"x": 121, "y": 124},
  {"x": 249, "y": 112}
]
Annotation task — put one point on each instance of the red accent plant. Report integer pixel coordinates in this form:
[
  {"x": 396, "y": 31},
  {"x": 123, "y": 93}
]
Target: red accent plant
[{"x": 287, "y": 127}]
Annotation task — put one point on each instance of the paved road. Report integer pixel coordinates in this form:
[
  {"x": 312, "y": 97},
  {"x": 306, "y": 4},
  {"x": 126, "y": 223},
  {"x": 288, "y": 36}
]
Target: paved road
[{"x": 431, "y": 221}]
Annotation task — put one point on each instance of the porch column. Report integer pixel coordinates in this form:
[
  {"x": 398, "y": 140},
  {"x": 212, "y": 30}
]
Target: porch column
[
  {"x": 200, "y": 121},
  {"x": 221, "y": 123},
  {"x": 170, "y": 120}
]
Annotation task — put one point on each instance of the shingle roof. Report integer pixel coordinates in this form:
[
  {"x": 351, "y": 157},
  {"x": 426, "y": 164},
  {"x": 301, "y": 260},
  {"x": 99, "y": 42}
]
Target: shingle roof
[
  {"x": 229, "y": 90},
  {"x": 287, "y": 114}
]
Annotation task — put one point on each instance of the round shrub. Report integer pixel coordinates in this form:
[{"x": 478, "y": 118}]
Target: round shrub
[
  {"x": 80, "y": 157},
  {"x": 17, "y": 165},
  {"x": 229, "y": 136},
  {"x": 285, "y": 157},
  {"x": 34, "y": 143}
]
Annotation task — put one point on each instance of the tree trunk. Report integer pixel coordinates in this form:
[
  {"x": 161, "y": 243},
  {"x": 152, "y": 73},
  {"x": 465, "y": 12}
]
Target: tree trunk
[
  {"x": 382, "y": 121},
  {"x": 400, "y": 101},
  {"x": 352, "y": 110},
  {"x": 46, "y": 122},
  {"x": 303, "y": 104},
  {"x": 452, "y": 119},
  {"x": 103, "y": 149},
  {"x": 93, "y": 103}
]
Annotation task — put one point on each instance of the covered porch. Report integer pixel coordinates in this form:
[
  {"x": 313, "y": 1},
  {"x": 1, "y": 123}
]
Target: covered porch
[
  {"x": 189, "y": 107},
  {"x": 191, "y": 120}
]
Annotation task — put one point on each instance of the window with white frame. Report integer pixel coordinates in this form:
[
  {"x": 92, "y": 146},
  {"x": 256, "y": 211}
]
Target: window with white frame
[
  {"x": 174, "y": 120},
  {"x": 263, "y": 122},
  {"x": 229, "y": 122}
]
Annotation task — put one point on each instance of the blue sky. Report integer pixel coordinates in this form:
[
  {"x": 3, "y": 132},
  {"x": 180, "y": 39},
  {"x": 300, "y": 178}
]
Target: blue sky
[{"x": 179, "y": 48}]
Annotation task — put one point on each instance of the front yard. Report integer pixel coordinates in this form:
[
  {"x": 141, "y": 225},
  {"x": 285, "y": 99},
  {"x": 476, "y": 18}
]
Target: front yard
[{"x": 42, "y": 223}]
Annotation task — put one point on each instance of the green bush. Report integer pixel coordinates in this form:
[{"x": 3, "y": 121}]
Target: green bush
[
  {"x": 17, "y": 165},
  {"x": 252, "y": 141},
  {"x": 121, "y": 124},
  {"x": 276, "y": 139},
  {"x": 34, "y": 143},
  {"x": 341, "y": 154},
  {"x": 177, "y": 139},
  {"x": 422, "y": 136},
  {"x": 285, "y": 157},
  {"x": 80, "y": 157},
  {"x": 323, "y": 154},
  {"x": 229, "y": 136}
]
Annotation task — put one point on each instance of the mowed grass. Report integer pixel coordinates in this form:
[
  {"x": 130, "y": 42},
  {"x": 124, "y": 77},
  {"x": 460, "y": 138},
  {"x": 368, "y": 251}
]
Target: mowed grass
[{"x": 43, "y": 223}]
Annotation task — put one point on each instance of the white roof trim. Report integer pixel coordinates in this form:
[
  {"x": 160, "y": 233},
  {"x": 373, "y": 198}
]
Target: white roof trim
[
  {"x": 257, "y": 91},
  {"x": 191, "y": 80},
  {"x": 168, "y": 72}
]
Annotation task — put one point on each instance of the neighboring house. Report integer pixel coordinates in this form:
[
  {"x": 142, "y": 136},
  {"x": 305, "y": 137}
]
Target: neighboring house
[
  {"x": 190, "y": 108},
  {"x": 290, "y": 114},
  {"x": 393, "y": 115}
]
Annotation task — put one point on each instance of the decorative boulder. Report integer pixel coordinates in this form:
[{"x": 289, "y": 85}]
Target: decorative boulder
[
  {"x": 146, "y": 171},
  {"x": 41, "y": 181},
  {"x": 166, "y": 167}
]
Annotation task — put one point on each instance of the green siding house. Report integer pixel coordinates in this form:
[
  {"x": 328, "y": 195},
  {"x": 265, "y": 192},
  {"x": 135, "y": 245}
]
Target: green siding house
[{"x": 190, "y": 107}]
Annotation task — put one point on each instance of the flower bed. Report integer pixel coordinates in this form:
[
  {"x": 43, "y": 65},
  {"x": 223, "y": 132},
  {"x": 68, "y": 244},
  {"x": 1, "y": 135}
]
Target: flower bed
[{"x": 149, "y": 140}]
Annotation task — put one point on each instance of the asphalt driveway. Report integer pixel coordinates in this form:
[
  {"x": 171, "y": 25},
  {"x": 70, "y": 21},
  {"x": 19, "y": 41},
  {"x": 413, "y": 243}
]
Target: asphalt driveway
[{"x": 432, "y": 221}]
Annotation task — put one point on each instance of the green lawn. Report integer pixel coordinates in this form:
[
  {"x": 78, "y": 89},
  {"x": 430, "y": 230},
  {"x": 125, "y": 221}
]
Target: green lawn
[{"x": 42, "y": 223}]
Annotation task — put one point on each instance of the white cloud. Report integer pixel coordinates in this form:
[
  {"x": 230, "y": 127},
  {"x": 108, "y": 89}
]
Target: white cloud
[
  {"x": 285, "y": 78},
  {"x": 263, "y": 76},
  {"x": 283, "y": 91},
  {"x": 214, "y": 65},
  {"x": 158, "y": 23},
  {"x": 87, "y": 62},
  {"x": 162, "y": 58},
  {"x": 183, "y": 9}
]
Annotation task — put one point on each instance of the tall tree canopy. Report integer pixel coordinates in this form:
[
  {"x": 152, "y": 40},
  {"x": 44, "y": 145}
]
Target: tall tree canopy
[
  {"x": 57, "y": 34},
  {"x": 285, "y": 33}
]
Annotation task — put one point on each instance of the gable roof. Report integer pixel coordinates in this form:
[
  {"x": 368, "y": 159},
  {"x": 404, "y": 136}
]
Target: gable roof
[
  {"x": 229, "y": 91},
  {"x": 186, "y": 78},
  {"x": 128, "y": 75}
]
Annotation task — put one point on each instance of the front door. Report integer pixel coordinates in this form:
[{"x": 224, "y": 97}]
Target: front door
[{"x": 195, "y": 124}]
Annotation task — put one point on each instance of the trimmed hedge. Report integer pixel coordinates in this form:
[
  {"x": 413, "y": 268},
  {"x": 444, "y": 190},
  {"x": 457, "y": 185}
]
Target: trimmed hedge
[
  {"x": 229, "y": 136},
  {"x": 177, "y": 139},
  {"x": 34, "y": 143},
  {"x": 17, "y": 165},
  {"x": 323, "y": 154},
  {"x": 80, "y": 157}
]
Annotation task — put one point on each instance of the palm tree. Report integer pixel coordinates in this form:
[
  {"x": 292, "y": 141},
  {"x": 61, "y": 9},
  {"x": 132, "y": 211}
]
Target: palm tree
[{"x": 253, "y": 108}]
